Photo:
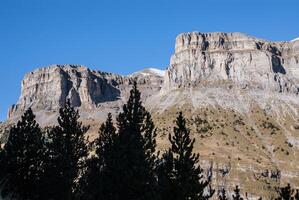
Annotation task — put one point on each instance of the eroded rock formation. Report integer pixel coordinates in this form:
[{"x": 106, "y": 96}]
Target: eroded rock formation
[
  {"x": 202, "y": 59},
  {"x": 49, "y": 87}
]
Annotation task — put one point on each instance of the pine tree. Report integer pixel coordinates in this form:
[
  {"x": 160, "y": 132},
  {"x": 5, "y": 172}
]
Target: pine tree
[
  {"x": 166, "y": 177},
  {"x": 106, "y": 140},
  {"x": 22, "y": 157},
  {"x": 237, "y": 195},
  {"x": 67, "y": 151},
  {"x": 185, "y": 178},
  {"x": 131, "y": 167},
  {"x": 222, "y": 194},
  {"x": 89, "y": 186},
  {"x": 95, "y": 183}
]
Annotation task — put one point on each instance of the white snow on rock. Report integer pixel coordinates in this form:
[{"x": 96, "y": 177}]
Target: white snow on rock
[
  {"x": 149, "y": 71},
  {"x": 157, "y": 71},
  {"x": 296, "y": 39}
]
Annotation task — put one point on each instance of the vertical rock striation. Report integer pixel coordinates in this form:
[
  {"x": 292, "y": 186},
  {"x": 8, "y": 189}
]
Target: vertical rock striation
[
  {"x": 46, "y": 89},
  {"x": 248, "y": 62}
]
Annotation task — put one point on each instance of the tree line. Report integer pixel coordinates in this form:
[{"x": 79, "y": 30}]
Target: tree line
[{"x": 122, "y": 163}]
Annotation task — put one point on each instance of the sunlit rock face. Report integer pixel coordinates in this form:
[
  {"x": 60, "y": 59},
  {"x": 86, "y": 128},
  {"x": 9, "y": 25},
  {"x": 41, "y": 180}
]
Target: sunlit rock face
[
  {"x": 225, "y": 69},
  {"x": 202, "y": 59},
  {"x": 48, "y": 88}
]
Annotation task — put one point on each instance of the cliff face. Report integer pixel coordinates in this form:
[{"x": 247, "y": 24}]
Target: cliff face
[
  {"x": 46, "y": 89},
  {"x": 203, "y": 62},
  {"x": 211, "y": 58}
]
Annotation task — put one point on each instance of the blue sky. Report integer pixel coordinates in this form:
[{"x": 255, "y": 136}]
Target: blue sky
[{"x": 122, "y": 36}]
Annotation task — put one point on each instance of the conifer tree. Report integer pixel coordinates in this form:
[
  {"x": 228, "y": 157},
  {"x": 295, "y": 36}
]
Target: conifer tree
[
  {"x": 131, "y": 167},
  {"x": 89, "y": 186},
  {"x": 185, "y": 178},
  {"x": 95, "y": 183},
  {"x": 237, "y": 195},
  {"x": 166, "y": 176},
  {"x": 22, "y": 159},
  {"x": 106, "y": 139},
  {"x": 67, "y": 150},
  {"x": 222, "y": 194}
]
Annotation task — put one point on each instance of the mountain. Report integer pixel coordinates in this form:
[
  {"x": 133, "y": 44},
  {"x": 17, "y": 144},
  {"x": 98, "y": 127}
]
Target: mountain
[
  {"x": 239, "y": 93},
  {"x": 46, "y": 89}
]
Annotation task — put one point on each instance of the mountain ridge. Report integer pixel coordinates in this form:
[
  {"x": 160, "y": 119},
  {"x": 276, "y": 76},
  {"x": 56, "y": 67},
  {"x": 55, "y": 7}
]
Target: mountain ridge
[{"x": 239, "y": 95}]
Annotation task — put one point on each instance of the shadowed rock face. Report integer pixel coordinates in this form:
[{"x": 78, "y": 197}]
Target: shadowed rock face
[
  {"x": 46, "y": 89},
  {"x": 246, "y": 61}
]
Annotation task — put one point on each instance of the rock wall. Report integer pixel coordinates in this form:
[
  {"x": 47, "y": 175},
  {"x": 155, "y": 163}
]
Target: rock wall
[
  {"x": 46, "y": 89},
  {"x": 206, "y": 63},
  {"x": 213, "y": 58}
]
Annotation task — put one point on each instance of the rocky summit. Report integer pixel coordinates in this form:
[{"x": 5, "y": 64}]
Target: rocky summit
[{"x": 239, "y": 93}]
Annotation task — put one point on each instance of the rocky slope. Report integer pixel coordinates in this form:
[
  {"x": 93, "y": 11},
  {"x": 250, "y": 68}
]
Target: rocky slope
[
  {"x": 46, "y": 89},
  {"x": 239, "y": 93}
]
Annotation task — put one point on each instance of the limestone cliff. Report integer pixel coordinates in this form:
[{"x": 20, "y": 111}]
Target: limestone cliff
[
  {"x": 248, "y": 62},
  {"x": 46, "y": 89}
]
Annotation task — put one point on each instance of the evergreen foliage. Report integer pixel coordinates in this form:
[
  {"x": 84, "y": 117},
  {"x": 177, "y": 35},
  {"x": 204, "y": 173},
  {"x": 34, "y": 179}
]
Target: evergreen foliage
[
  {"x": 287, "y": 193},
  {"x": 95, "y": 182},
  {"x": 130, "y": 169},
  {"x": 22, "y": 160},
  {"x": 180, "y": 175},
  {"x": 67, "y": 151},
  {"x": 124, "y": 161}
]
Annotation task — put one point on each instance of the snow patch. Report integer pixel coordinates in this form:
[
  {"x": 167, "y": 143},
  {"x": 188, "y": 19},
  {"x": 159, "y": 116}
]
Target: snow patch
[
  {"x": 149, "y": 71},
  {"x": 157, "y": 71},
  {"x": 296, "y": 39}
]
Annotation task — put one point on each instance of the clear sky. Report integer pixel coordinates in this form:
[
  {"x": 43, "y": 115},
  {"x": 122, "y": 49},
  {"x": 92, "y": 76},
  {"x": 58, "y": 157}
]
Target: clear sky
[{"x": 122, "y": 36}]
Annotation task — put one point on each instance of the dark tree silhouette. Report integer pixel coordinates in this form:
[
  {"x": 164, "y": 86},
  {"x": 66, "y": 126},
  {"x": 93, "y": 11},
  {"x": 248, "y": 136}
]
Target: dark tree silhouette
[
  {"x": 287, "y": 193},
  {"x": 222, "y": 194},
  {"x": 90, "y": 184},
  {"x": 237, "y": 195},
  {"x": 297, "y": 194},
  {"x": 22, "y": 159},
  {"x": 166, "y": 176},
  {"x": 67, "y": 150},
  {"x": 2, "y": 164},
  {"x": 130, "y": 170},
  {"x": 95, "y": 182},
  {"x": 180, "y": 174}
]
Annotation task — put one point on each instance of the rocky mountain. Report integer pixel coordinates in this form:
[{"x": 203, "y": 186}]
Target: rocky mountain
[
  {"x": 239, "y": 93},
  {"x": 46, "y": 89}
]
